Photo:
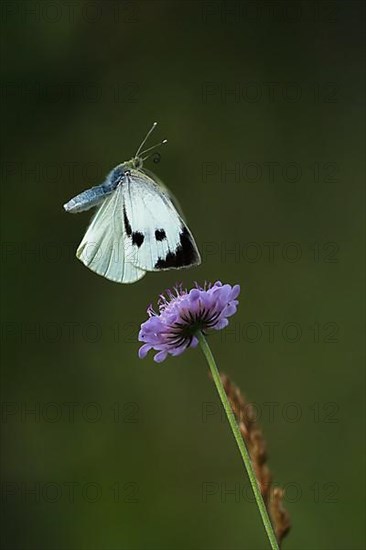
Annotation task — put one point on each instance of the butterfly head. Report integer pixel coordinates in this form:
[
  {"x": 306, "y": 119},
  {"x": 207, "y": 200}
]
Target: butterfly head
[{"x": 135, "y": 163}]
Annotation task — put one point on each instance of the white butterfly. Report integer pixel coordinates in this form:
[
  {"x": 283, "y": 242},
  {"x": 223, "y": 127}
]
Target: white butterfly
[{"x": 136, "y": 227}]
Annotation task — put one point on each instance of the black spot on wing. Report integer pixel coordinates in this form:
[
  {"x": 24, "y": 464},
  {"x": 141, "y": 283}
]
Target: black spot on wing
[
  {"x": 127, "y": 223},
  {"x": 160, "y": 235},
  {"x": 184, "y": 255},
  {"x": 137, "y": 238}
]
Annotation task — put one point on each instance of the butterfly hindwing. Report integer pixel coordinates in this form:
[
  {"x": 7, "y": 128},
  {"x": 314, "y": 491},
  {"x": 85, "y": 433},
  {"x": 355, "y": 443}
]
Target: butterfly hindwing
[
  {"x": 157, "y": 237},
  {"x": 103, "y": 248}
]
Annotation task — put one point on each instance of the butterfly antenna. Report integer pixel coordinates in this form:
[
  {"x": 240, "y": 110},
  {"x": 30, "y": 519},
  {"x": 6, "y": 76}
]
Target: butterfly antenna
[
  {"x": 146, "y": 137},
  {"x": 153, "y": 147}
]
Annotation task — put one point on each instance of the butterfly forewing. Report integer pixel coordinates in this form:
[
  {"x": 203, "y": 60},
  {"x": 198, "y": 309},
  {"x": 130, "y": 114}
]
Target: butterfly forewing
[{"x": 157, "y": 237}]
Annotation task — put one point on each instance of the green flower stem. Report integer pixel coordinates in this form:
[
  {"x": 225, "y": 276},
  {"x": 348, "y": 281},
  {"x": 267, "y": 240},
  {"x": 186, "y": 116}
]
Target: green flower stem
[{"x": 239, "y": 440}]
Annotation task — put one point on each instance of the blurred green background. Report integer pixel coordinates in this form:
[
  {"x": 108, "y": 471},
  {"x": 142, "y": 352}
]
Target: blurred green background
[{"x": 263, "y": 107}]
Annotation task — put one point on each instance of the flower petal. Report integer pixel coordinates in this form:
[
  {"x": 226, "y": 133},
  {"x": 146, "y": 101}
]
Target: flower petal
[
  {"x": 221, "y": 324},
  {"x": 144, "y": 350},
  {"x": 161, "y": 356}
]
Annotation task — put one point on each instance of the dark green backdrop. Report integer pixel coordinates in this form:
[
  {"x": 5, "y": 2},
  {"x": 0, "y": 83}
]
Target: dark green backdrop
[{"x": 262, "y": 103}]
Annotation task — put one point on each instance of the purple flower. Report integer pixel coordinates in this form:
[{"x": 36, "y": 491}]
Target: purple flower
[{"x": 182, "y": 314}]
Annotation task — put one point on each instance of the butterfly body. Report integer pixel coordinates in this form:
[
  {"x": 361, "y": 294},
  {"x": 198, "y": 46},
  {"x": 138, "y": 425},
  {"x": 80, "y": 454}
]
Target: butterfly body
[{"x": 136, "y": 227}]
